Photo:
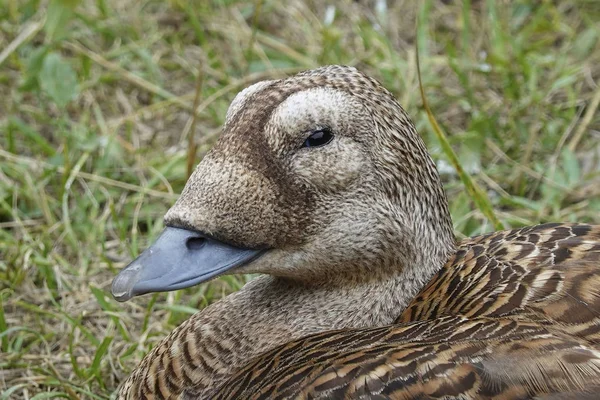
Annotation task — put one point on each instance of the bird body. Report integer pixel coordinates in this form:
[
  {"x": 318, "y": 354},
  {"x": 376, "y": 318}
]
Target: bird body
[
  {"x": 511, "y": 315},
  {"x": 321, "y": 183}
]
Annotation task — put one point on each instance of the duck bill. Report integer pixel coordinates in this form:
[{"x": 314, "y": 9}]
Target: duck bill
[{"x": 179, "y": 258}]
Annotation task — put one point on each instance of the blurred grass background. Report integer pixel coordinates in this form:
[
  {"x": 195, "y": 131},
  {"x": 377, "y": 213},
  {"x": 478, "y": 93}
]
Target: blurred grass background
[{"x": 96, "y": 108}]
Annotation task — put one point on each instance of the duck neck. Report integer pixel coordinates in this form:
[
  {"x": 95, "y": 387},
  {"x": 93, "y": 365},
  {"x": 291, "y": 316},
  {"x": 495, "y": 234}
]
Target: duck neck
[{"x": 267, "y": 312}]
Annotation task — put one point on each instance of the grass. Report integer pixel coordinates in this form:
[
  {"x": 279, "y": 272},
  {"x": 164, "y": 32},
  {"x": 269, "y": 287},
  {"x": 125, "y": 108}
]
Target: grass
[{"x": 96, "y": 121}]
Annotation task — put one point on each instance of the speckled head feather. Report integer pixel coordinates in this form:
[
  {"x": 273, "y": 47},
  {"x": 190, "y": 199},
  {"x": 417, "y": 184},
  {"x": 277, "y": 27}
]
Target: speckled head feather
[
  {"x": 374, "y": 186},
  {"x": 353, "y": 229}
]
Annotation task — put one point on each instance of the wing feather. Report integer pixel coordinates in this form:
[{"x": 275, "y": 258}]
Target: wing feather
[{"x": 512, "y": 315}]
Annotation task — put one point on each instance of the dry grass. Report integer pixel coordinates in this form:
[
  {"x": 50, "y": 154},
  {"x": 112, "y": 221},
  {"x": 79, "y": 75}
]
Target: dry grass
[{"x": 84, "y": 185}]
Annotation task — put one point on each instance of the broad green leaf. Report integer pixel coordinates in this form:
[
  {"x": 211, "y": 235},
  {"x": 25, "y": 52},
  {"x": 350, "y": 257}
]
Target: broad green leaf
[{"x": 58, "y": 80}]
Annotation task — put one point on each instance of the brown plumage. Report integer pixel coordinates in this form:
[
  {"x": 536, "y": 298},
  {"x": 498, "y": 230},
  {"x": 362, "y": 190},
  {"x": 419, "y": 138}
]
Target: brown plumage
[
  {"x": 365, "y": 293},
  {"x": 512, "y": 315}
]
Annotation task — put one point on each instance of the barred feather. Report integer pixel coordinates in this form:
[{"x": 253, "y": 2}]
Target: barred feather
[{"x": 512, "y": 315}]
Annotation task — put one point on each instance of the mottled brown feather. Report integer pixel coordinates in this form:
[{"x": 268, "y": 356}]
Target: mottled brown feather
[{"x": 512, "y": 315}]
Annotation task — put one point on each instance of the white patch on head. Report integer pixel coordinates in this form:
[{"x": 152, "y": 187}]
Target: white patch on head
[
  {"x": 318, "y": 107},
  {"x": 242, "y": 97},
  {"x": 331, "y": 167}
]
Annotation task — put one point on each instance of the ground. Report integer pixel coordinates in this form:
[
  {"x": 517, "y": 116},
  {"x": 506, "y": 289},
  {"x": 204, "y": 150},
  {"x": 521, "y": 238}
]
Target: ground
[{"x": 96, "y": 126}]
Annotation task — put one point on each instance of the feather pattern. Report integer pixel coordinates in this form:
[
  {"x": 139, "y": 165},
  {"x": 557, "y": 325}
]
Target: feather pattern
[
  {"x": 364, "y": 293},
  {"x": 513, "y": 314}
]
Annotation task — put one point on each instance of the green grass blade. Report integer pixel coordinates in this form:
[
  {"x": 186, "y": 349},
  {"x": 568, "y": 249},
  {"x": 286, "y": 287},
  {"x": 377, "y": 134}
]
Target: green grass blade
[
  {"x": 475, "y": 193},
  {"x": 100, "y": 353}
]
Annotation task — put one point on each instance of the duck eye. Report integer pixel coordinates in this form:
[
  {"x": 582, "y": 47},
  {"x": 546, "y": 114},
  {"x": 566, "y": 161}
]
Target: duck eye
[{"x": 318, "y": 138}]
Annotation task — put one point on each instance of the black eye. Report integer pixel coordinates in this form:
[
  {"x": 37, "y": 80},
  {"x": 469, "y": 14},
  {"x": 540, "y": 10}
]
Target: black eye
[{"x": 318, "y": 138}]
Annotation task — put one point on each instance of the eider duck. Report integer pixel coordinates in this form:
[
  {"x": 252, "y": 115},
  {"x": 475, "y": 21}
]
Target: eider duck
[{"x": 321, "y": 184}]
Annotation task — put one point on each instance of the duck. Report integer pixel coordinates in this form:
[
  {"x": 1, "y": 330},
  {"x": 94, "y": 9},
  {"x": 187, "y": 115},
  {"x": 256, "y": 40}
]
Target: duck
[{"x": 321, "y": 185}]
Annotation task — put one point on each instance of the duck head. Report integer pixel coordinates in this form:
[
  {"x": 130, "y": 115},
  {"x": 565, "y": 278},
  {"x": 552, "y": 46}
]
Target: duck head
[{"x": 320, "y": 178}]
